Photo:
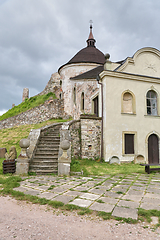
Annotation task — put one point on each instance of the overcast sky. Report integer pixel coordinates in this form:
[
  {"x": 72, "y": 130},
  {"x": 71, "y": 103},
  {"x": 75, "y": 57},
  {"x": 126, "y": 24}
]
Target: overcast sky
[{"x": 38, "y": 36}]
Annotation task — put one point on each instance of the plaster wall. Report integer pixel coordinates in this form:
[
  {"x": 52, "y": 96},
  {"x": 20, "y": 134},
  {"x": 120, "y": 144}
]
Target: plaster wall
[
  {"x": 145, "y": 61},
  {"x": 116, "y": 123},
  {"x": 68, "y": 85}
]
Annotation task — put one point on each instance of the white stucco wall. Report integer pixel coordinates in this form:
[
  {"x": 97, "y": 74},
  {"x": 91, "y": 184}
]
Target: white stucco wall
[{"x": 115, "y": 122}]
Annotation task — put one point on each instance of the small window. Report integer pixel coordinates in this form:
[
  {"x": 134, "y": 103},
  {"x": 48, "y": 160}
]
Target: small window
[
  {"x": 95, "y": 106},
  {"x": 74, "y": 95},
  {"x": 151, "y": 99},
  {"x": 82, "y": 101},
  {"x": 129, "y": 143},
  {"x": 60, "y": 82}
]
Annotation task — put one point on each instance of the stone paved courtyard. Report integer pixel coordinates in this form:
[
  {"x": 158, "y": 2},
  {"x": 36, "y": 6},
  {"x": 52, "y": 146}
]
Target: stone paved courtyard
[{"x": 120, "y": 195}]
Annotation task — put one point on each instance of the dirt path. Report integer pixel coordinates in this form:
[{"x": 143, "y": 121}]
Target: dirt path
[{"x": 21, "y": 220}]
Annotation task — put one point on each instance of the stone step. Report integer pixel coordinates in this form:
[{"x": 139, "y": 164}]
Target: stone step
[
  {"x": 49, "y": 145},
  {"x": 42, "y": 158},
  {"x": 47, "y": 151},
  {"x": 50, "y": 138},
  {"x": 44, "y": 167},
  {"x": 49, "y": 141},
  {"x": 51, "y": 133},
  {"x": 44, "y": 163},
  {"x": 43, "y": 172},
  {"x": 46, "y": 156}
]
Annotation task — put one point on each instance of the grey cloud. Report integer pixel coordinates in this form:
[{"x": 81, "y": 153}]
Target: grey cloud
[{"x": 37, "y": 37}]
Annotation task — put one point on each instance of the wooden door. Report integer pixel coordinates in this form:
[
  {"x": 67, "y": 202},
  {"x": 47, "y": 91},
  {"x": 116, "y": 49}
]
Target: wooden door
[{"x": 153, "y": 149}]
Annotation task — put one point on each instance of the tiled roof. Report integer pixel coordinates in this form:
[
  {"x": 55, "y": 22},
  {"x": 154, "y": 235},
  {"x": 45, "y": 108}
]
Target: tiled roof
[{"x": 92, "y": 74}]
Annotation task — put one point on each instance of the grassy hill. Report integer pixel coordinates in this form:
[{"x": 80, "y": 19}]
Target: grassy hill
[
  {"x": 27, "y": 104},
  {"x": 11, "y": 136}
]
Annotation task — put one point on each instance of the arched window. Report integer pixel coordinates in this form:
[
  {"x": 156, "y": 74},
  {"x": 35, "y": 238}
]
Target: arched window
[
  {"x": 74, "y": 95},
  {"x": 151, "y": 101},
  {"x": 127, "y": 103},
  {"x": 82, "y": 101}
]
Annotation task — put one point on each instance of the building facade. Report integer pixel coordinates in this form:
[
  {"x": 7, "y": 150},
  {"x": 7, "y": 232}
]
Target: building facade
[{"x": 131, "y": 108}]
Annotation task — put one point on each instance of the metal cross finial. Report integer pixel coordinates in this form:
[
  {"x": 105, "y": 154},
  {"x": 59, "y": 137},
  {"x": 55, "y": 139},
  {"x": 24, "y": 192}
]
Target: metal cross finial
[{"x": 91, "y": 23}]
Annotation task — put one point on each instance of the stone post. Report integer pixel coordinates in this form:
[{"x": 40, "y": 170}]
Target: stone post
[
  {"x": 64, "y": 158},
  {"x": 22, "y": 165}
]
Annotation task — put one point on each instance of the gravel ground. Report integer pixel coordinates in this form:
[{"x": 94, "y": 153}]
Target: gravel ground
[{"x": 21, "y": 220}]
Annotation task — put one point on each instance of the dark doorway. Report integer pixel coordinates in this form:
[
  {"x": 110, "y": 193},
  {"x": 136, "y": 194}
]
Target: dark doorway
[
  {"x": 95, "y": 101},
  {"x": 153, "y": 149}
]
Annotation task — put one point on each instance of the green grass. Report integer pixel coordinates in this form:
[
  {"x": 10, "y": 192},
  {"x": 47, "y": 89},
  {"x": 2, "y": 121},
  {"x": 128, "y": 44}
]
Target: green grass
[
  {"x": 11, "y": 136},
  {"x": 27, "y": 104},
  {"x": 91, "y": 167},
  {"x": 147, "y": 214}
]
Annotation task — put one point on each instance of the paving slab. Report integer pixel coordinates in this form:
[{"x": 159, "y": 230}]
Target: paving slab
[
  {"x": 130, "y": 204},
  {"x": 102, "y": 207},
  {"x": 125, "y": 212},
  {"x": 112, "y": 194},
  {"x": 154, "y": 201},
  {"x": 64, "y": 199},
  {"x": 134, "y": 198},
  {"x": 58, "y": 189},
  {"x": 153, "y": 190},
  {"x": 42, "y": 188},
  {"x": 73, "y": 193},
  {"x": 149, "y": 206},
  {"x": 81, "y": 202},
  {"x": 21, "y": 189},
  {"x": 135, "y": 192},
  {"x": 151, "y": 195},
  {"x": 32, "y": 192},
  {"x": 81, "y": 188},
  {"x": 137, "y": 188},
  {"x": 119, "y": 189},
  {"x": 90, "y": 196},
  {"x": 47, "y": 195},
  {"x": 96, "y": 191},
  {"x": 109, "y": 200}
]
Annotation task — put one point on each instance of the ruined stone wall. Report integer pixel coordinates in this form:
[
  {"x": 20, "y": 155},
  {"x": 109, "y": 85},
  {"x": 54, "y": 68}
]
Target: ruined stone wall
[
  {"x": 54, "y": 85},
  {"x": 75, "y": 132},
  {"x": 89, "y": 88},
  {"x": 90, "y": 136},
  {"x": 50, "y": 109}
]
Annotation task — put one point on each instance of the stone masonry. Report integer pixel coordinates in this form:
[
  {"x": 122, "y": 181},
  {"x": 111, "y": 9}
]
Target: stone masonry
[
  {"x": 50, "y": 109},
  {"x": 90, "y": 136},
  {"x": 75, "y": 131}
]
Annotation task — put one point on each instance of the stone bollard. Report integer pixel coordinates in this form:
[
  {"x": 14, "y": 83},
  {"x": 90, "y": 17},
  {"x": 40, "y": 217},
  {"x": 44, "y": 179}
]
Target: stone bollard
[
  {"x": 64, "y": 158},
  {"x": 22, "y": 165}
]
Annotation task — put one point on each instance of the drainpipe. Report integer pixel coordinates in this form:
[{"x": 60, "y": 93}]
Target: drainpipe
[
  {"x": 98, "y": 78},
  {"x": 106, "y": 67}
]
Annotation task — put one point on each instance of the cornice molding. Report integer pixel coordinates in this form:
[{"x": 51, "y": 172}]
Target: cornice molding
[{"x": 128, "y": 76}]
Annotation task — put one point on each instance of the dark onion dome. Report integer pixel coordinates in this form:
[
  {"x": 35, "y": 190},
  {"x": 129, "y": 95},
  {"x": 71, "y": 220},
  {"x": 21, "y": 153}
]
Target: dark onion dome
[{"x": 89, "y": 54}]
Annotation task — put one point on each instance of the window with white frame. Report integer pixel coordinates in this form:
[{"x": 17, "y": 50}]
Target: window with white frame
[{"x": 151, "y": 101}]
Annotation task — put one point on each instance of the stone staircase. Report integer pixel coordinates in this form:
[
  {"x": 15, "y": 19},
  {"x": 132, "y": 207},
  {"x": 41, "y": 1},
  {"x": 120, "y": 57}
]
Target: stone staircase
[{"x": 45, "y": 159}]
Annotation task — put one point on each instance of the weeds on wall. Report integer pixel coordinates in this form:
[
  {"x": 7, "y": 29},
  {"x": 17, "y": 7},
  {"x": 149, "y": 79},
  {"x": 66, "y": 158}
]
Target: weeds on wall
[{"x": 27, "y": 104}]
